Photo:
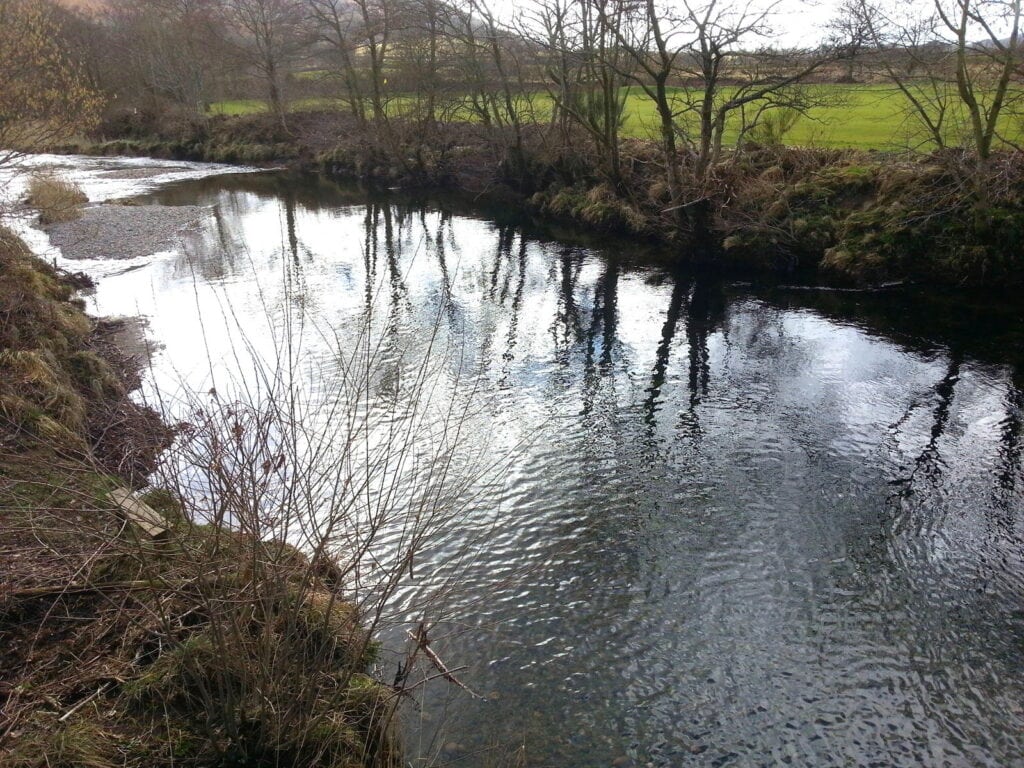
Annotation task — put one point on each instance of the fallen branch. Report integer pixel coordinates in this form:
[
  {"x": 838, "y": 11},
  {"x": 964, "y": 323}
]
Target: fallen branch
[{"x": 423, "y": 644}]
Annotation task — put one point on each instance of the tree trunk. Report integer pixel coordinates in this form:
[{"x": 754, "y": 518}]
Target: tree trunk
[{"x": 668, "y": 143}]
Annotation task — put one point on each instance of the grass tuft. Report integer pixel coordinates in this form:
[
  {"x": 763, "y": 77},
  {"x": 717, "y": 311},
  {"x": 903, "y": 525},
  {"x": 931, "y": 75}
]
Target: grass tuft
[{"x": 56, "y": 199}]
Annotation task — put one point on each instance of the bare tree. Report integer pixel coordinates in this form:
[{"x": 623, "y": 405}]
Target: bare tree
[
  {"x": 514, "y": 108},
  {"x": 983, "y": 70},
  {"x": 270, "y": 37},
  {"x": 378, "y": 22},
  {"x": 721, "y": 53},
  {"x": 173, "y": 47},
  {"x": 474, "y": 72},
  {"x": 652, "y": 40},
  {"x": 583, "y": 63},
  {"x": 337, "y": 25},
  {"x": 903, "y": 48},
  {"x": 955, "y": 64},
  {"x": 709, "y": 68},
  {"x": 427, "y": 26},
  {"x": 490, "y": 55}
]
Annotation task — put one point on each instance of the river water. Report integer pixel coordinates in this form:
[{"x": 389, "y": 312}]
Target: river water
[{"x": 735, "y": 524}]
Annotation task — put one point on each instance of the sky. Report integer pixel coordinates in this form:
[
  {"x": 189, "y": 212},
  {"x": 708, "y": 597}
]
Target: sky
[
  {"x": 803, "y": 24},
  {"x": 798, "y": 23}
]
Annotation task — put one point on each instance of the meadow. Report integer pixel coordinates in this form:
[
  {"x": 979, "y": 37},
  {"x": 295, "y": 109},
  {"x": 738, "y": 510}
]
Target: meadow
[{"x": 847, "y": 116}]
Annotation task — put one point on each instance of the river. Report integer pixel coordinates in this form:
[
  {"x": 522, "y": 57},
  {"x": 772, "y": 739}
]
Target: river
[{"x": 734, "y": 525}]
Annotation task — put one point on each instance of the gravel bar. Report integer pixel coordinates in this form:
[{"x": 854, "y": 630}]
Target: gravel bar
[
  {"x": 124, "y": 231},
  {"x": 139, "y": 173}
]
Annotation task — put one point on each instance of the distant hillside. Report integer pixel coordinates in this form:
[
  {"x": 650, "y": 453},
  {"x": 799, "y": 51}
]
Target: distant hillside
[{"x": 83, "y": 6}]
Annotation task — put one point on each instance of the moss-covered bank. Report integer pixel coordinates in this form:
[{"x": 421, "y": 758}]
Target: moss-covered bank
[
  {"x": 939, "y": 219},
  {"x": 837, "y": 215},
  {"x": 201, "y": 647}
]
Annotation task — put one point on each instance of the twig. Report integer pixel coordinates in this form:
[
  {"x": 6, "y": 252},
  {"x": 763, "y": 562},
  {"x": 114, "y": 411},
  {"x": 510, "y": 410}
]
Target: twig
[
  {"x": 424, "y": 681},
  {"x": 82, "y": 588},
  {"x": 420, "y": 638},
  {"x": 83, "y": 702}
]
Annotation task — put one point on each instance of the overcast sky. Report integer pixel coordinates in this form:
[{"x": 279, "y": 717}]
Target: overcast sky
[
  {"x": 799, "y": 23},
  {"x": 802, "y": 24}
]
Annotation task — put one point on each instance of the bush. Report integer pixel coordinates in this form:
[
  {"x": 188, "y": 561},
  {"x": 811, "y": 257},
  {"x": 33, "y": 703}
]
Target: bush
[{"x": 774, "y": 126}]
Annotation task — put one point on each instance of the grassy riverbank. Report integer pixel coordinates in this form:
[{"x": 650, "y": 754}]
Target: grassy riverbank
[
  {"x": 841, "y": 215},
  {"x": 188, "y": 643}
]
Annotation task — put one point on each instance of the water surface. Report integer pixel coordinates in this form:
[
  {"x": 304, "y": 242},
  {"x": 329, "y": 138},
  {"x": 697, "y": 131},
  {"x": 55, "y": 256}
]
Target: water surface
[{"x": 741, "y": 525}]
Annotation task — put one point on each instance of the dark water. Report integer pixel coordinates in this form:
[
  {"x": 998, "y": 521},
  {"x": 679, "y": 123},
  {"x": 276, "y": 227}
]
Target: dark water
[{"x": 742, "y": 525}]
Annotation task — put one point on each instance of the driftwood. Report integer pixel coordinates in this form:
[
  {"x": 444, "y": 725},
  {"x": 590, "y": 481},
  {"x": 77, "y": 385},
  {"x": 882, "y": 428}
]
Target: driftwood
[
  {"x": 840, "y": 289},
  {"x": 145, "y": 517}
]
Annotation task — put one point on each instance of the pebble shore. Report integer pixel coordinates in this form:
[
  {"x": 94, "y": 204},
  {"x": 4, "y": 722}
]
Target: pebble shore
[{"x": 125, "y": 231}]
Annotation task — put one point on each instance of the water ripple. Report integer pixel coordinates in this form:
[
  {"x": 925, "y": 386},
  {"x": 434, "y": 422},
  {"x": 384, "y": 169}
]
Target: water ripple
[{"x": 729, "y": 532}]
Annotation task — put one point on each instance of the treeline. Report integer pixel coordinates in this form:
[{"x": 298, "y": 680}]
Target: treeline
[
  {"x": 449, "y": 92},
  {"x": 717, "y": 73}
]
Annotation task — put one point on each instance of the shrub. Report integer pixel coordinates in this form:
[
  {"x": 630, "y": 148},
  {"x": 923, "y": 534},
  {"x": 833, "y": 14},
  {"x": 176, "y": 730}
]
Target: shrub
[{"x": 771, "y": 130}]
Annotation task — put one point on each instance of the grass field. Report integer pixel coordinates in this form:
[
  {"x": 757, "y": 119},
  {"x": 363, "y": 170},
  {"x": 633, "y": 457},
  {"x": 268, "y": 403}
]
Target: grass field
[{"x": 859, "y": 116}]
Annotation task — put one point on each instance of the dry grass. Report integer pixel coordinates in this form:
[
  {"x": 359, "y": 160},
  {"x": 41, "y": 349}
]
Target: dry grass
[
  {"x": 62, "y": 380},
  {"x": 206, "y": 648},
  {"x": 56, "y": 199}
]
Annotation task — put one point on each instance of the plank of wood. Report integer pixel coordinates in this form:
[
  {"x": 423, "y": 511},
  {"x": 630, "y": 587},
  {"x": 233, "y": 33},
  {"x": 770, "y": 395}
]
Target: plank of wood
[{"x": 145, "y": 517}]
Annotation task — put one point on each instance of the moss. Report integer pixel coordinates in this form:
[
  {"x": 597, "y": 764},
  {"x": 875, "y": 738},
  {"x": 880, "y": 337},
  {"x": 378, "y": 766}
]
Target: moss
[
  {"x": 598, "y": 206},
  {"x": 602, "y": 207},
  {"x": 350, "y": 724},
  {"x": 371, "y": 706},
  {"x": 41, "y": 349},
  {"x": 867, "y": 173},
  {"x": 338, "y": 741},
  {"x": 182, "y": 675},
  {"x": 329, "y": 625},
  {"x": 40, "y": 396},
  {"x": 869, "y": 221},
  {"x": 934, "y": 223}
]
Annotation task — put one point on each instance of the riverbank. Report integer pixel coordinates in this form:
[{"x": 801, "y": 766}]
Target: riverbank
[
  {"x": 847, "y": 217},
  {"x": 133, "y": 633}
]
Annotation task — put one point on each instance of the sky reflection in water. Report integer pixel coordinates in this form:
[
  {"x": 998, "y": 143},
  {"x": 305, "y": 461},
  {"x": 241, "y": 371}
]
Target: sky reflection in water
[{"x": 740, "y": 530}]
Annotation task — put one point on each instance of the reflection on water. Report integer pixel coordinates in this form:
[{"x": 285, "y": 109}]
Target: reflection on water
[{"x": 745, "y": 527}]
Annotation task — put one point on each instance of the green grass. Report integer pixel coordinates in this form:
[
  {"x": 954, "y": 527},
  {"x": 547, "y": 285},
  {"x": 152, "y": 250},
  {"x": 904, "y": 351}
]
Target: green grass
[
  {"x": 856, "y": 116},
  {"x": 859, "y": 116},
  {"x": 235, "y": 107},
  {"x": 864, "y": 117},
  {"x": 238, "y": 107}
]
